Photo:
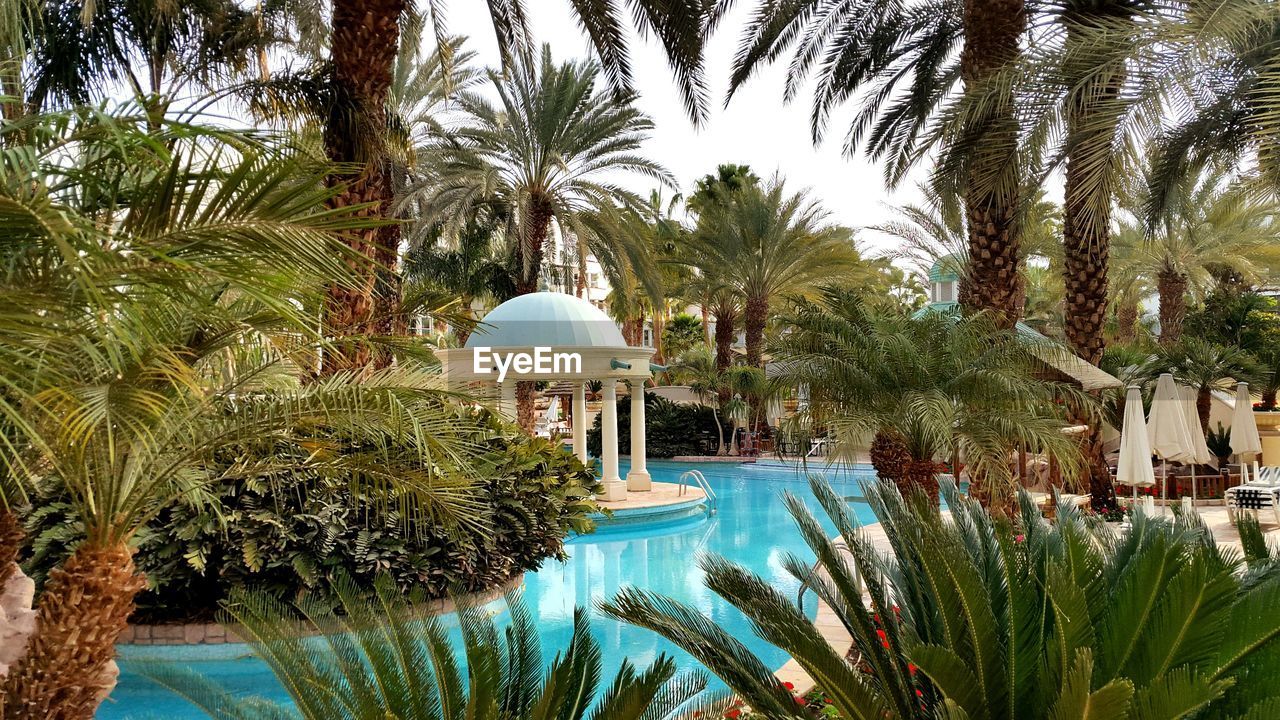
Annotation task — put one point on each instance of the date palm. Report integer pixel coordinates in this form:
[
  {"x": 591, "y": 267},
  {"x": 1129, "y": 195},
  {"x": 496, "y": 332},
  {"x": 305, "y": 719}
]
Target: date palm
[
  {"x": 161, "y": 304},
  {"x": 543, "y": 155},
  {"x": 935, "y": 388},
  {"x": 765, "y": 244},
  {"x": 973, "y": 618},
  {"x": 392, "y": 664},
  {"x": 906, "y": 62},
  {"x": 1211, "y": 224}
]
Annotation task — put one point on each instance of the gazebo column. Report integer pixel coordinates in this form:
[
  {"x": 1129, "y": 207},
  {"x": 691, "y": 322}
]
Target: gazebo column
[
  {"x": 614, "y": 488},
  {"x": 638, "y": 479},
  {"x": 507, "y": 403},
  {"x": 580, "y": 421}
]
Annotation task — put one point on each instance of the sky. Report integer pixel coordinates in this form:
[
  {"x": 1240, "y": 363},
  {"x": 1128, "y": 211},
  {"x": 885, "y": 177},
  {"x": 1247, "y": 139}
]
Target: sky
[{"x": 756, "y": 129}]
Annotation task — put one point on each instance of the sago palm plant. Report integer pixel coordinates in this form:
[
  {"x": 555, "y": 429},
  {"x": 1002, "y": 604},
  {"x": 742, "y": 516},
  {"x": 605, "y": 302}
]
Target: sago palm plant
[
  {"x": 377, "y": 660},
  {"x": 971, "y": 617}
]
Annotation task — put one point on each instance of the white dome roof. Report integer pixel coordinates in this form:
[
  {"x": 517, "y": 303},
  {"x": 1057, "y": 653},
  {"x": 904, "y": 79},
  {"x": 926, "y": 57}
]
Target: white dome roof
[{"x": 547, "y": 319}]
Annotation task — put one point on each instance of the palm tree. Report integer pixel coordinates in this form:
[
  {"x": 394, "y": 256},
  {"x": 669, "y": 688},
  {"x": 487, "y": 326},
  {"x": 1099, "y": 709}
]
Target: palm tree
[
  {"x": 765, "y": 244},
  {"x": 542, "y": 155},
  {"x": 901, "y": 59},
  {"x": 392, "y": 663},
  {"x": 979, "y": 617},
  {"x": 1211, "y": 225},
  {"x": 928, "y": 390},
  {"x": 699, "y": 370},
  {"x": 1206, "y": 367},
  {"x": 174, "y": 292}
]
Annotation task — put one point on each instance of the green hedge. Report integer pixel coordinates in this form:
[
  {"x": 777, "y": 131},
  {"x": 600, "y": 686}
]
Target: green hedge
[
  {"x": 670, "y": 429},
  {"x": 287, "y": 535}
]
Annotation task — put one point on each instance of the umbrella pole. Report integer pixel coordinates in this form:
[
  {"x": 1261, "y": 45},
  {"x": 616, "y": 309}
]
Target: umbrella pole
[{"x": 1164, "y": 487}]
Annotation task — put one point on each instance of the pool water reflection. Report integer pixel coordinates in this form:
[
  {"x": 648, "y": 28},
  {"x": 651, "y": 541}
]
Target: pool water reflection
[{"x": 751, "y": 528}]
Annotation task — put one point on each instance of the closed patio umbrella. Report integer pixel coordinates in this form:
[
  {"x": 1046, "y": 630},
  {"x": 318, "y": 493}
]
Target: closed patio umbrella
[
  {"x": 1199, "y": 454},
  {"x": 1167, "y": 427},
  {"x": 1244, "y": 432},
  {"x": 1134, "y": 468}
]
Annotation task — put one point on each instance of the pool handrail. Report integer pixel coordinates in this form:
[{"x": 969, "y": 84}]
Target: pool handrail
[{"x": 712, "y": 501}]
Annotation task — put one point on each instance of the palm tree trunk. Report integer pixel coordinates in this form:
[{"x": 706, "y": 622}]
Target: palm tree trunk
[
  {"x": 11, "y": 535},
  {"x": 890, "y": 457},
  {"x": 526, "y": 393},
  {"x": 922, "y": 475},
  {"x": 1091, "y": 125},
  {"x": 66, "y": 671},
  {"x": 757, "y": 314},
  {"x": 992, "y": 32},
  {"x": 1171, "y": 286},
  {"x": 726, "y": 319},
  {"x": 365, "y": 39},
  {"x": 530, "y": 249},
  {"x": 1203, "y": 403},
  {"x": 1127, "y": 321}
]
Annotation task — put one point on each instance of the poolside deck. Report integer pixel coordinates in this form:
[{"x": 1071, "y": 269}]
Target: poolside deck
[{"x": 662, "y": 495}]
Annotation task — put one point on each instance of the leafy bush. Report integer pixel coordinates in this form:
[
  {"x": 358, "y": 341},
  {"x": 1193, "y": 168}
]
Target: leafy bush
[
  {"x": 284, "y": 535},
  {"x": 670, "y": 429}
]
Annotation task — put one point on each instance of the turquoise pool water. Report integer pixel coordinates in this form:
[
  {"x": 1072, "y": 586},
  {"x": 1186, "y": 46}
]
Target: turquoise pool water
[{"x": 752, "y": 528}]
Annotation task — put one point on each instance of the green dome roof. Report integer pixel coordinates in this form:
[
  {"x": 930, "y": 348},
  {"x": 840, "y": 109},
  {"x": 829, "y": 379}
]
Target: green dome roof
[
  {"x": 546, "y": 319},
  {"x": 944, "y": 269}
]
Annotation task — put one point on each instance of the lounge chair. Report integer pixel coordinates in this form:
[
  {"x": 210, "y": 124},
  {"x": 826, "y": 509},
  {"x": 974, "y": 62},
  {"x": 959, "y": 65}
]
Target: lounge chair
[{"x": 1255, "y": 497}]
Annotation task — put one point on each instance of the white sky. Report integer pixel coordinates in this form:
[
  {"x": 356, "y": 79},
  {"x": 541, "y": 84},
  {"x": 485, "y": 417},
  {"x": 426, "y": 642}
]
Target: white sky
[{"x": 756, "y": 129}]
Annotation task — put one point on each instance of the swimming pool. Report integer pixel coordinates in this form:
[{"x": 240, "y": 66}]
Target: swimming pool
[{"x": 751, "y": 528}]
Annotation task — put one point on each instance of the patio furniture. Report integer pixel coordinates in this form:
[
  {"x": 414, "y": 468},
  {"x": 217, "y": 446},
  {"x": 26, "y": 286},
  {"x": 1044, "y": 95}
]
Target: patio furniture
[{"x": 1255, "y": 498}]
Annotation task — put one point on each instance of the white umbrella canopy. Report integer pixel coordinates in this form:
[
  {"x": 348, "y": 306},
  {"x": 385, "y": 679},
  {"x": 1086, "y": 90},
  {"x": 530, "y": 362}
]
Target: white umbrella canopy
[
  {"x": 1134, "y": 468},
  {"x": 1167, "y": 428},
  {"x": 1167, "y": 424},
  {"x": 1244, "y": 429},
  {"x": 1199, "y": 450}
]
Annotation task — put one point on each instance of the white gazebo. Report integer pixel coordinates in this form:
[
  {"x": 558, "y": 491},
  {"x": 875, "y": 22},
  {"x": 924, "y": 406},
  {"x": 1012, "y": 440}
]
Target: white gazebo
[{"x": 555, "y": 337}]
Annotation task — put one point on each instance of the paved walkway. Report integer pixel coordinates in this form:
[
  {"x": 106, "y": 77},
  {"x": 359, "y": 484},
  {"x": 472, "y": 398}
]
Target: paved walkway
[{"x": 829, "y": 625}]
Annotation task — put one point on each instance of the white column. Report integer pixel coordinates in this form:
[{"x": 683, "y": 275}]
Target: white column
[
  {"x": 614, "y": 488},
  {"x": 580, "y": 421},
  {"x": 507, "y": 405},
  {"x": 638, "y": 478}
]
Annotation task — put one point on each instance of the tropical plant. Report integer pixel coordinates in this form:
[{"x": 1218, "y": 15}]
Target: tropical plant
[
  {"x": 1206, "y": 367},
  {"x": 292, "y": 533},
  {"x": 390, "y": 662},
  {"x": 541, "y": 155},
  {"x": 670, "y": 428},
  {"x": 1211, "y": 227},
  {"x": 905, "y": 62},
  {"x": 982, "y": 617},
  {"x": 764, "y": 244},
  {"x": 682, "y": 334},
  {"x": 928, "y": 390},
  {"x": 702, "y": 373},
  {"x": 168, "y": 281}
]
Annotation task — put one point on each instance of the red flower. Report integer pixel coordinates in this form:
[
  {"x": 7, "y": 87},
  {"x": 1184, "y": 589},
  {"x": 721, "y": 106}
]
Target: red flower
[
  {"x": 799, "y": 700},
  {"x": 884, "y": 639},
  {"x": 911, "y": 668},
  {"x": 789, "y": 686},
  {"x": 1020, "y": 538},
  {"x": 733, "y": 713}
]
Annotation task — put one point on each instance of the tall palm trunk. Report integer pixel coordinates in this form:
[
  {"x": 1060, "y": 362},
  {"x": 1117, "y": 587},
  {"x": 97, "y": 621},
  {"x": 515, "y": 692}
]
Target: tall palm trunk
[
  {"x": 992, "y": 31},
  {"x": 1127, "y": 321},
  {"x": 365, "y": 38},
  {"x": 66, "y": 671},
  {"x": 10, "y": 544},
  {"x": 1204, "y": 402},
  {"x": 726, "y": 330},
  {"x": 1092, "y": 119},
  {"x": 1172, "y": 289},
  {"x": 757, "y": 315},
  {"x": 529, "y": 253}
]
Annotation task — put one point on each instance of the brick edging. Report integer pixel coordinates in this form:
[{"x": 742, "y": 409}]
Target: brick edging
[{"x": 213, "y": 633}]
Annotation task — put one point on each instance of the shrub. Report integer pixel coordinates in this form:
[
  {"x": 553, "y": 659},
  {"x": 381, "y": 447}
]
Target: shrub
[
  {"x": 286, "y": 535},
  {"x": 671, "y": 429}
]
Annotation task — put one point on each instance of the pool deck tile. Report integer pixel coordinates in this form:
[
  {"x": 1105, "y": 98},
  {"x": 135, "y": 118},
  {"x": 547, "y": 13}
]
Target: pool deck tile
[{"x": 662, "y": 494}]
